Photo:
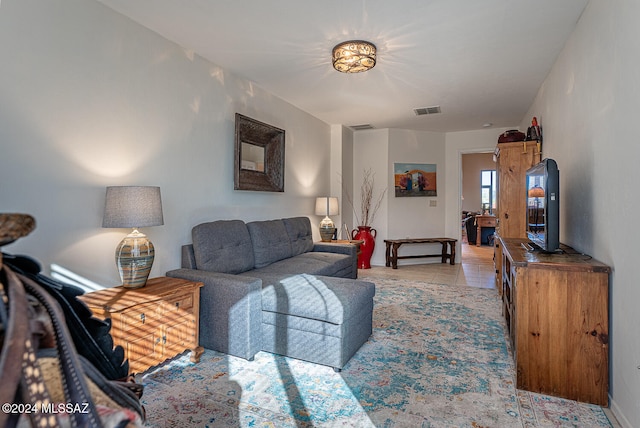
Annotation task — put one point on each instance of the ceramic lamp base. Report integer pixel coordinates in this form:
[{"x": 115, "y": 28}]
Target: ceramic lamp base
[
  {"x": 326, "y": 233},
  {"x": 134, "y": 258},
  {"x": 327, "y": 229}
]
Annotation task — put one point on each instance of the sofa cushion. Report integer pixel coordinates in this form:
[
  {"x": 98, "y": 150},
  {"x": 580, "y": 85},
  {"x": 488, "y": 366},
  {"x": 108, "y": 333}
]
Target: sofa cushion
[
  {"x": 322, "y": 298},
  {"x": 316, "y": 263},
  {"x": 270, "y": 241},
  {"x": 300, "y": 235},
  {"x": 223, "y": 246},
  {"x": 333, "y": 262}
]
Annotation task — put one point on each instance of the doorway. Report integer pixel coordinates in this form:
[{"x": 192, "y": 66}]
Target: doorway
[{"x": 477, "y": 195}]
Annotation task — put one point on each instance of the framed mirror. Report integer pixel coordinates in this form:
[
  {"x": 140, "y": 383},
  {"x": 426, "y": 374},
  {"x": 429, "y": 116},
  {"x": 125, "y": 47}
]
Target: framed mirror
[{"x": 259, "y": 156}]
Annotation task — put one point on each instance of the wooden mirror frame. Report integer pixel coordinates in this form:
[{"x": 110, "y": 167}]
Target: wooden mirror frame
[{"x": 271, "y": 179}]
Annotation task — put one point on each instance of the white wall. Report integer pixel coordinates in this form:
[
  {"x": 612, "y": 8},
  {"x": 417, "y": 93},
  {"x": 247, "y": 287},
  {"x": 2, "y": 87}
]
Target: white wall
[
  {"x": 90, "y": 99},
  {"x": 342, "y": 175},
  {"x": 588, "y": 108},
  {"x": 370, "y": 152},
  {"x": 415, "y": 217},
  {"x": 378, "y": 150}
]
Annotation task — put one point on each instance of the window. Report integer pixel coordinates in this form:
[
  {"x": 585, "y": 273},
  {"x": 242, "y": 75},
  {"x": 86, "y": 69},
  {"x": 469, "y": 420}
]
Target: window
[{"x": 488, "y": 190}]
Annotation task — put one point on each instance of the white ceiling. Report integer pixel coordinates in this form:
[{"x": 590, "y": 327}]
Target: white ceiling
[{"x": 481, "y": 61}]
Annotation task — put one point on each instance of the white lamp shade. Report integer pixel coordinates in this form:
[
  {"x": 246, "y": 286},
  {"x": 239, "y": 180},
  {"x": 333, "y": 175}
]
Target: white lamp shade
[
  {"x": 132, "y": 206},
  {"x": 327, "y": 206}
]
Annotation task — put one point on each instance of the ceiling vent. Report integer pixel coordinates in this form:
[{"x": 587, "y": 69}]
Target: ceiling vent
[
  {"x": 427, "y": 110},
  {"x": 361, "y": 127}
]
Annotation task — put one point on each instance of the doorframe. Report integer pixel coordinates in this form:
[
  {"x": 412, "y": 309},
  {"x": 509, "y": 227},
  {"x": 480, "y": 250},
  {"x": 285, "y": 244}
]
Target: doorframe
[{"x": 460, "y": 153}]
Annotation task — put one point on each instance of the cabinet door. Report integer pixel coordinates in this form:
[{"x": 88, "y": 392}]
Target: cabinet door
[
  {"x": 140, "y": 335},
  {"x": 497, "y": 262},
  {"x": 514, "y": 278},
  {"x": 509, "y": 279},
  {"x": 179, "y": 330}
]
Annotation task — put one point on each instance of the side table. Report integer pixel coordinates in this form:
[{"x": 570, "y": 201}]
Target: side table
[
  {"x": 356, "y": 242},
  {"x": 484, "y": 221},
  {"x": 152, "y": 323}
]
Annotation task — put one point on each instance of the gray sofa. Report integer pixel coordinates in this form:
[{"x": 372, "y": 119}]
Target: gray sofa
[{"x": 268, "y": 286}]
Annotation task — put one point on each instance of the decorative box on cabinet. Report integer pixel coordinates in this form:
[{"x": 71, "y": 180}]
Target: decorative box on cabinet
[
  {"x": 556, "y": 310},
  {"x": 152, "y": 323}
]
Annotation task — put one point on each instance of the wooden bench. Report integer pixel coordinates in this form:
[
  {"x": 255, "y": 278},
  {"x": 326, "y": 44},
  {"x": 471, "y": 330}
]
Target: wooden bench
[{"x": 392, "y": 256}]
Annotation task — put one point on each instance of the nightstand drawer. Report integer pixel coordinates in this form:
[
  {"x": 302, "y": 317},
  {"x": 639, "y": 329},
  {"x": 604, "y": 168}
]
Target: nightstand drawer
[
  {"x": 486, "y": 222},
  {"x": 183, "y": 304},
  {"x": 139, "y": 317}
]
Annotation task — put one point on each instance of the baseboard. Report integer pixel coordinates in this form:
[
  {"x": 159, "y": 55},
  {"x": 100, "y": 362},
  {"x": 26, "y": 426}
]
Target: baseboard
[{"x": 616, "y": 416}]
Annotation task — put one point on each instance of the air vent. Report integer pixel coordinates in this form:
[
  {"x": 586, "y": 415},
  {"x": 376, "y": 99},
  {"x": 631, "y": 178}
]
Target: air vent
[
  {"x": 427, "y": 110},
  {"x": 361, "y": 127}
]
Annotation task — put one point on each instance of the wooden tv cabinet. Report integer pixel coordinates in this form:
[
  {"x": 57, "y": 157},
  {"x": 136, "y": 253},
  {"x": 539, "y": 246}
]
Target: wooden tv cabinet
[{"x": 556, "y": 307}]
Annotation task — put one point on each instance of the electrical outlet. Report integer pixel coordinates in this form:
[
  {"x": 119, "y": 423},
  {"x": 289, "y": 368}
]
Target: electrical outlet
[{"x": 433, "y": 203}]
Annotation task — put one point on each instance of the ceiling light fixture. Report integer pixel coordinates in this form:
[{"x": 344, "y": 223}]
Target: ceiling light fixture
[{"x": 354, "y": 56}]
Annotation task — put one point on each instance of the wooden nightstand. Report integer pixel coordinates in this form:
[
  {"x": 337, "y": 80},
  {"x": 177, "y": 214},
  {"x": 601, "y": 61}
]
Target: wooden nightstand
[
  {"x": 484, "y": 221},
  {"x": 152, "y": 323},
  {"x": 356, "y": 242}
]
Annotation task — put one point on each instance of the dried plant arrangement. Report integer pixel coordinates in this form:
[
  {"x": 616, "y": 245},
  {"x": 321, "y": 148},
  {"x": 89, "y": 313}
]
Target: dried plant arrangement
[{"x": 368, "y": 208}]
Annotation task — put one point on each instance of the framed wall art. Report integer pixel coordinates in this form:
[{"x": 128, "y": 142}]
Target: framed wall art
[
  {"x": 259, "y": 156},
  {"x": 415, "y": 179}
]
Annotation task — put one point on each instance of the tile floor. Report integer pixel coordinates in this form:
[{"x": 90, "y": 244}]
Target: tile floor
[{"x": 475, "y": 270}]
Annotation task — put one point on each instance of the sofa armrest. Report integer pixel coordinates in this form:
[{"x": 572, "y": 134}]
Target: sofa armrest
[
  {"x": 188, "y": 257},
  {"x": 349, "y": 249},
  {"x": 328, "y": 247},
  {"x": 230, "y": 311}
]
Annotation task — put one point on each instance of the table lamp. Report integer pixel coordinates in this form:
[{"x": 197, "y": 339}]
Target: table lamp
[
  {"x": 135, "y": 207},
  {"x": 327, "y": 206}
]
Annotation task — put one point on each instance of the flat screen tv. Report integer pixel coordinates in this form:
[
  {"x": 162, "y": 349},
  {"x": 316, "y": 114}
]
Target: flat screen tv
[{"x": 543, "y": 199}]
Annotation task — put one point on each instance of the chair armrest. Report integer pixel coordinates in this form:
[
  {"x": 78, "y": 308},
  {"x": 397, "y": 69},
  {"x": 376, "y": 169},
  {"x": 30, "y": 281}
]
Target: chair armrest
[{"x": 230, "y": 311}]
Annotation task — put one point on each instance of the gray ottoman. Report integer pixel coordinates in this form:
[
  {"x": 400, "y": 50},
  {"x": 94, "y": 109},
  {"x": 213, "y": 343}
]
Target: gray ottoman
[{"x": 316, "y": 318}]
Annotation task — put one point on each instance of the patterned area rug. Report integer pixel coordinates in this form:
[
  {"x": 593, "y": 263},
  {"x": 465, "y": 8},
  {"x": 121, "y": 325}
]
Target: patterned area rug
[{"x": 438, "y": 357}]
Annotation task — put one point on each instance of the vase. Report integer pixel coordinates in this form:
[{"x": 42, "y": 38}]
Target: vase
[{"x": 368, "y": 237}]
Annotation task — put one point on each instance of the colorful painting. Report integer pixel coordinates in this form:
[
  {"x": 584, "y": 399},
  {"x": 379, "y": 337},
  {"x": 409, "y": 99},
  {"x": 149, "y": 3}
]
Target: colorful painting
[{"x": 415, "y": 179}]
